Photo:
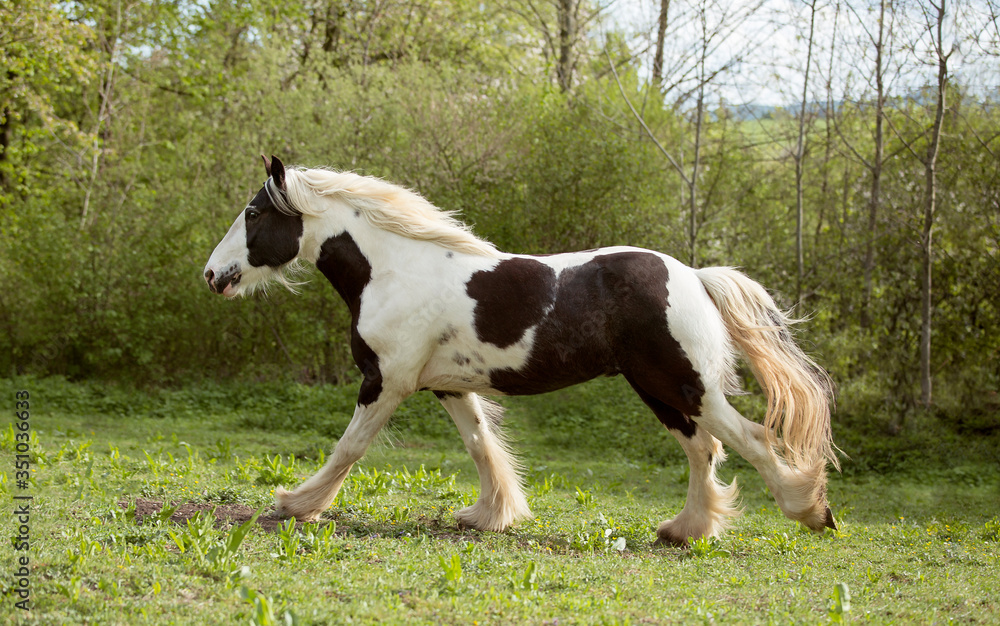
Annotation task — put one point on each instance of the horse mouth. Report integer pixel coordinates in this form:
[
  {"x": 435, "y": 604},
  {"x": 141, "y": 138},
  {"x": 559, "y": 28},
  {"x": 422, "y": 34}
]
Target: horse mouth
[
  {"x": 230, "y": 290},
  {"x": 225, "y": 284}
]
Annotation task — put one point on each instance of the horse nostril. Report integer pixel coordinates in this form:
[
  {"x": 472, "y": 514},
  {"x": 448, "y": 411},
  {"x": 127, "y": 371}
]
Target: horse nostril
[{"x": 209, "y": 275}]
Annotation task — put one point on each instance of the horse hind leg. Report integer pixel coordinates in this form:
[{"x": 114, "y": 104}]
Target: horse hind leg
[
  {"x": 501, "y": 495},
  {"x": 799, "y": 491},
  {"x": 710, "y": 504}
]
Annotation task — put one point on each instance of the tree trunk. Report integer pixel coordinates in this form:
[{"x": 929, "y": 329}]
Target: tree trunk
[
  {"x": 5, "y": 138},
  {"x": 930, "y": 200},
  {"x": 567, "y": 36},
  {"x": 800, "y": 148},
  {"x": 828, "y": 205},
  {"x": 876, "y": 171},
  {"x": 335, "y": 14},
  {"x": 693, "y": 181},
  {"x": 661, "y": 33}
]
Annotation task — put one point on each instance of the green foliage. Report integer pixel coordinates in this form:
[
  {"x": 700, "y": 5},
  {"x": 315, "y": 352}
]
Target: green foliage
[
  {"x": 274, "y": 472},
  {"x": 45, "y": 55},
  {"x": 202, "y": 543},
  {"x": 604, "y": 413},
  {"x": 451, "y": 572},
  {"x": 288, "y": 541},
  {"x": 840, "y": 605},
  {"x": 584, "y": 498},
  {"x": 264, "y": 612},
  {"x": 783, "y": 543},
  {"x": 991, "y": 530},
  {"x": 363, "y": 484},
  {"x": 528, "y": 580},
  {"x": 598, "y": 539},
  {"x": 707, "y": 548}
]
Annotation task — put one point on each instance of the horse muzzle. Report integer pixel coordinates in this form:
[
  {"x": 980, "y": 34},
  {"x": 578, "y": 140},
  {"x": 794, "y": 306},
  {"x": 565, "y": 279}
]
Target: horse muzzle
[{"x": 226, "y": 281}]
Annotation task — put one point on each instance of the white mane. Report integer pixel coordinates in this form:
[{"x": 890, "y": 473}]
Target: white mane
[{"x": 386, "y": 206}]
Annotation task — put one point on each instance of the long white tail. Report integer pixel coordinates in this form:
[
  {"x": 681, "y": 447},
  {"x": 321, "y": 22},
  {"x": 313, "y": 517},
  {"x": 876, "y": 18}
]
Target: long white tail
[{"x": 798, "y": 390}]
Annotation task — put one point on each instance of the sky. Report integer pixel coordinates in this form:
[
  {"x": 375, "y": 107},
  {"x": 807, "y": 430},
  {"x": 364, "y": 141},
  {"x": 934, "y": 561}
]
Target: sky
[{"x": 769, "y": 38}]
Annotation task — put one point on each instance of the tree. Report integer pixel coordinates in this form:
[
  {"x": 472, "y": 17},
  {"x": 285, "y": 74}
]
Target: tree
[
  {"x": 563, "y": 27},
  {"x": 661, "y": 35},
  {"x": 799, "y": 156},
  {"x": 43, "y": 57},
  {"x": 934, "y": 16},
  {"x": 879, "y": 41}
]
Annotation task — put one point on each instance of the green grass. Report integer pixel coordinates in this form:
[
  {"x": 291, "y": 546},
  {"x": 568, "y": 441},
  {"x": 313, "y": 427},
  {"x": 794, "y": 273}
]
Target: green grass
[{"x": 917, "y": 544}]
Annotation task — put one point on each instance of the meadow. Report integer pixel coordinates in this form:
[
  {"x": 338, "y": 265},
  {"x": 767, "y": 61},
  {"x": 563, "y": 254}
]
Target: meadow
[{"x": 151, "y": 506}]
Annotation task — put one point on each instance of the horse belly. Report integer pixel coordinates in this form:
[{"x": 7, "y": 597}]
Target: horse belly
[
  {"x": 455, "y": 370},
  {"x": 461, "y": 362},
  {"x": 549, "y": 356}
]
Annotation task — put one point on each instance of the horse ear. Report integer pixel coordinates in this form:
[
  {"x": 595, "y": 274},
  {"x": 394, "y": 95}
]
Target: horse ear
[
  {"x": 267, "y": 164},
  {"x": 277, "y": 172}
]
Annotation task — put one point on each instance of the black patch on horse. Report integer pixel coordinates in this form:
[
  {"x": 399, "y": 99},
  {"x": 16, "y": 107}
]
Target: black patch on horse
[
  {"x": 510, "y": 299},
  {"x": 272, "y": 236},
  {"x": 669, "y": 416},
  {"x": 449, "y": 333},
  {"x": 349, "y": 271},
  {"x": 608, "y": 317},
  {"x": 653, "y": 361}
]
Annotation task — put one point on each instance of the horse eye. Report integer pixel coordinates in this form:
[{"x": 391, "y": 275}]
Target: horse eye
[{"x": 252, "y": 214}]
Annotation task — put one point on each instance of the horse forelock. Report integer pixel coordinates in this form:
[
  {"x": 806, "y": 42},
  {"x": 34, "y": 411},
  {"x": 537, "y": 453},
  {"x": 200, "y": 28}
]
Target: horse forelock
[{"x": 384, "y": 205}]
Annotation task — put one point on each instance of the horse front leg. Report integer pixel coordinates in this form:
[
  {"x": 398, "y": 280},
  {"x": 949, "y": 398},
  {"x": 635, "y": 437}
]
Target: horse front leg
[
  {"x": 308, "y": 501},
  {"x": 501, "y": 494}
]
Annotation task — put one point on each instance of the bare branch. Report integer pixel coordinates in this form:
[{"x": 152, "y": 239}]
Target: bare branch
[{"x": 641, "y": 121}]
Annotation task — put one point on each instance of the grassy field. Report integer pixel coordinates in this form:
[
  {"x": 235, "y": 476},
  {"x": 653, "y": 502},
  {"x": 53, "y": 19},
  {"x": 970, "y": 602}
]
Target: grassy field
[{"x": 918, "y": 542}]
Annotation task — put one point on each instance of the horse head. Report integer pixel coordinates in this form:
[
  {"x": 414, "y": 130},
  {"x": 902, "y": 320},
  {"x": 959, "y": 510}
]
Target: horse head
[{"x": 263, "y": 241}]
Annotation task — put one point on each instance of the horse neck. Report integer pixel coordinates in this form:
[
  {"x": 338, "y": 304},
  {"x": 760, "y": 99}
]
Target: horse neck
[{"x": 351, "y": 258}]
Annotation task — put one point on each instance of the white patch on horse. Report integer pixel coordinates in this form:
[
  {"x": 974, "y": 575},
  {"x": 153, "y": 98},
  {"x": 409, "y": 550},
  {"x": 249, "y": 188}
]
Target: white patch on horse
[{"x": 703, "y": 337}]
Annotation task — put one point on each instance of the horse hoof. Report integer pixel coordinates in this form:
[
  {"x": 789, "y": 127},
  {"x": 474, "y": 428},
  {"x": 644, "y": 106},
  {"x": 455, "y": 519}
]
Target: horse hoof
[{"x": 671, "y": 542}]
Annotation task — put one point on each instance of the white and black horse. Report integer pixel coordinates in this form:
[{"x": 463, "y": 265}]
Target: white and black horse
[{"x": 435, "y": 308}]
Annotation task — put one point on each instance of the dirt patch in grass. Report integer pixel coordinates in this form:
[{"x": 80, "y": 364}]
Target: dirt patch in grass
[{"x": 225, "y": 514}]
